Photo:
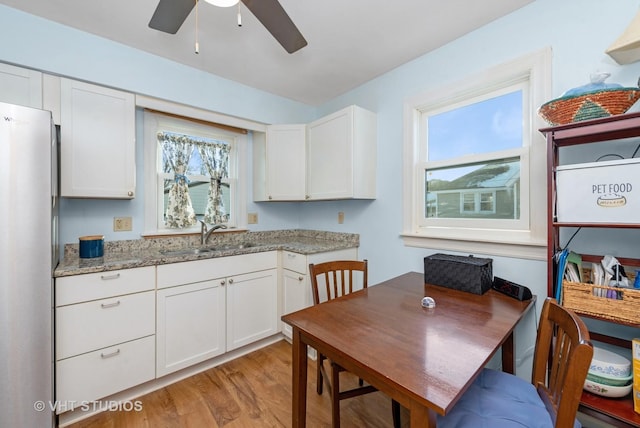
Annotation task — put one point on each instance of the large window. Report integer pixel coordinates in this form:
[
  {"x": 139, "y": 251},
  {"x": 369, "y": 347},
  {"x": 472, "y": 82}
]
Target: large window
[
  {"x": 191, "y": 172},
  {"x": 475, "y": 163}
]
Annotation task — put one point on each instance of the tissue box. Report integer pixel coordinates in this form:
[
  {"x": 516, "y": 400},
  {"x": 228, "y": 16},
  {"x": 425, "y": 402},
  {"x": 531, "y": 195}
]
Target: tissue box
[{"x": 465, "y": 273}]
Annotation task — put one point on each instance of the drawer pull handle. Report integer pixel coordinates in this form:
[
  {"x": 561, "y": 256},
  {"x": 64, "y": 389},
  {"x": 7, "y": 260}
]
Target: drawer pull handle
[
  {"x": 109, "y": 305},
  {"x": 106, "y": 277},
  {"x": 111, "y": 354}
]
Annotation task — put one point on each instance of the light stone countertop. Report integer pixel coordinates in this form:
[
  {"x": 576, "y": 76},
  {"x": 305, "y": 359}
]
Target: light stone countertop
[{"x": 157, "y": 251}]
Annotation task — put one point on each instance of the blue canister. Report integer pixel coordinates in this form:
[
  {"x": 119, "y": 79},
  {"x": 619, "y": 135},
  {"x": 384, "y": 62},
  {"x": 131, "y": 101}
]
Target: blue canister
[
  {"x": 636, "y": 283},
  {"x": 91, "y": 246}
]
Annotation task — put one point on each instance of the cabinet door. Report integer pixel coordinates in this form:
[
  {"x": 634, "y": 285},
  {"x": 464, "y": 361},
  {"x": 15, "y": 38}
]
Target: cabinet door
[
  {"x": 252, "y": 307},
  {"x": 330, "y": 157},
  {"x": 190, "y": 326},
  {"x": 98, "y": 141},
  {"x": 296, "y": 295},
  {"x": 285, "y": 163},
  {"x": 20, "y": 86},
  {"x": 341, "y": 155}
]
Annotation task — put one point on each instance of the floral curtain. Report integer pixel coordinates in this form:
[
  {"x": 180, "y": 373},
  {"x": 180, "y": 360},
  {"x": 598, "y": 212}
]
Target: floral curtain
[
  {"x": 215, "y": 158},
  {"x": 177, "y": 151}
]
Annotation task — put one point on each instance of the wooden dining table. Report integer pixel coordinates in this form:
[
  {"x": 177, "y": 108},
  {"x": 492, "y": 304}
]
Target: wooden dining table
[{"x": 424, "y": 358}]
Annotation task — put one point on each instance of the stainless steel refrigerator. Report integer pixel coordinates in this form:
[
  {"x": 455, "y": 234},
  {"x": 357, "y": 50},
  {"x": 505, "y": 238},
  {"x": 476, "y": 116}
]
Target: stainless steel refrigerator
[{"x": 28, "y": 256}]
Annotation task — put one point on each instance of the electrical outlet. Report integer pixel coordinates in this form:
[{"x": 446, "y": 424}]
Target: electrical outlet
[
  {"x": 121, "y": 224},
  {"x": 252, "y": 218},
  {"x": 340, "y": 217}
]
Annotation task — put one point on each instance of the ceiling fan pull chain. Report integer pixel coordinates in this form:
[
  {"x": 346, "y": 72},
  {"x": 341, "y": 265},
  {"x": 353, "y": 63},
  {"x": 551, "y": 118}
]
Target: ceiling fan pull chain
[
  {"x": 239, "y": 16},
  {"x": 197, "y": 46}
]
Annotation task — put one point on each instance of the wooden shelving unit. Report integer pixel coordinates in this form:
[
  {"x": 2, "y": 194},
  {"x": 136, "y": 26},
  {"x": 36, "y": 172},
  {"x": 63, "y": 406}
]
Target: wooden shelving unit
[{"x": 616, "y": 412}]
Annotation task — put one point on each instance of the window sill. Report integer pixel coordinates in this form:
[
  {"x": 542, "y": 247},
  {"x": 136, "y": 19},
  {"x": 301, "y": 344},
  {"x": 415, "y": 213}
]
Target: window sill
[{"x": 516, "y": 249}]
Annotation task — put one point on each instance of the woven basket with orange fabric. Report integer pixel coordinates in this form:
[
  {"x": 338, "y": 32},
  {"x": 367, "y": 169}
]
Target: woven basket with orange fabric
[{"x": 590, "y": 105}]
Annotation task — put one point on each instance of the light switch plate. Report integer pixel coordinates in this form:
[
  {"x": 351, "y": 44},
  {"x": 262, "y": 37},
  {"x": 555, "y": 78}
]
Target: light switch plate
[{"x": 252, "y": 218}]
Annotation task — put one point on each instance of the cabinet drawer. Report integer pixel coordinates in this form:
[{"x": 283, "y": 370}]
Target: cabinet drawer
[
  {"x": 104, "y": 372},
  {"x": 295, "y": 262},
  {"x": 203, "y": 270},
  {"x": 93, "y": 325},
  {"x": 93, "y": 286}
]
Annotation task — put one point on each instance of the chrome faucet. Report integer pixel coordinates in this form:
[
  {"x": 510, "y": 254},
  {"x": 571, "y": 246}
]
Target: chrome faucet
[{"x": 204, "y": 233}]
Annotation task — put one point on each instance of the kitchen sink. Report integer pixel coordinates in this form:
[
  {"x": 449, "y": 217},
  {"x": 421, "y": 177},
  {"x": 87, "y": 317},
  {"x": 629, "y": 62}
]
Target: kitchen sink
[
  {"x": 203, "y": 250},
  {"x": 186, "y": 251},
  {"x": 235, "y": 246}
]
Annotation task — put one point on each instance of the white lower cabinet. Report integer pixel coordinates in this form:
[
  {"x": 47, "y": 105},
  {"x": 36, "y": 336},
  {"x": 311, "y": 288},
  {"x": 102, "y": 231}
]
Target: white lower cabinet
[
  {"x": 296, "y": 285},
  {"x": 227, "y": 303},
  {"x": 190, "y": 328},
  {"x": 105, "y": 333},
  {"x": 119, "y": 329},
  {"x": 252, "y": 307},
  {"x": 98, "y": 374}
]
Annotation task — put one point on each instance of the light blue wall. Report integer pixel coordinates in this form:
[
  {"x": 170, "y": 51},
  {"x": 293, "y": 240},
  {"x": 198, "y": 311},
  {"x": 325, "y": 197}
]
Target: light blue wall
[{"x": 577, "y": 30}]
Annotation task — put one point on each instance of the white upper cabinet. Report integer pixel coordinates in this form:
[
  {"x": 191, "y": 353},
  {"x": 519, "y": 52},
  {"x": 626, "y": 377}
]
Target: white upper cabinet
[
  {"x": 279, "y": 157},
  {"x": 97, "y": 141},
  {"x": 341, "y": 155},
  {"x": 20, "y": 86}
]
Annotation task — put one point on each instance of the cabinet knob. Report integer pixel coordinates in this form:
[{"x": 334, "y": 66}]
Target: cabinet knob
[
  {"x": 300, "y": 278},
  {"x": 223, "y": 282},
  {"x": 230, "y": 280},
  {"x": 307, "y": 197},
  {"x": 130, "y": 193},
  {"x": 270, "y": 197}
]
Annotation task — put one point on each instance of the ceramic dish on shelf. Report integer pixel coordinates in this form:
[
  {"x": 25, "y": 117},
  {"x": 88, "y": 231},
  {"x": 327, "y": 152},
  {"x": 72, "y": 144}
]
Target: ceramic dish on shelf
[
  {"x": 609, "y": 380},
  {"x": 609, "y": 364},
  {"x": 607, "y": 390}
]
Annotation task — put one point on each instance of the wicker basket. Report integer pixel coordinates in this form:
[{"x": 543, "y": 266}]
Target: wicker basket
[
  {"x": 590, "y": 105},
  {"x": 584, "y": 299},
  {"x": 622, "y": 305}
]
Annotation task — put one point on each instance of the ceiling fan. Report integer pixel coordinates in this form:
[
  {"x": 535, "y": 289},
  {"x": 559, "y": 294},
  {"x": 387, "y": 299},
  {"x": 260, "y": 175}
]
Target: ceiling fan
[{"x": 170, "y": 14}]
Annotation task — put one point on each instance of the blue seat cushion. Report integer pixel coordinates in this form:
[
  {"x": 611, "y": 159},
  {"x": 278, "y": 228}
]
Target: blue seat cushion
[{"x": 499, "y": 400}]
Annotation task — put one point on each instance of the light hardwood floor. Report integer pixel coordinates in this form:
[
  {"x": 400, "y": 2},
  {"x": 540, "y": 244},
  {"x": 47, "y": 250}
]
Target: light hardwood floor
[{"x": 251, "y": 391}]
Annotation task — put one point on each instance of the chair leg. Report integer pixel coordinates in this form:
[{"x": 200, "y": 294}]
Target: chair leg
[
  {"x": 335, "y": 396},
  {"x": 395, "y": 412},
  {"x": 319, "y": 379}
]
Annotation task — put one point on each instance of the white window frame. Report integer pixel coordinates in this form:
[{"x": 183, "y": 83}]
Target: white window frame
[
  {"x": 154, "y": 122},
  {"x": 526, "y": 238}
]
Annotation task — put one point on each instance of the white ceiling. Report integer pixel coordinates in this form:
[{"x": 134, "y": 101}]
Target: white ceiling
[{"x": 350, "y": 41}]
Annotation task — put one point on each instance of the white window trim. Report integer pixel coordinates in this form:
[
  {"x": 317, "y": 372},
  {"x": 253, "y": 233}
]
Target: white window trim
[
  {"x": 527, "y": 243},
  {"x": 150, "y": 153}
]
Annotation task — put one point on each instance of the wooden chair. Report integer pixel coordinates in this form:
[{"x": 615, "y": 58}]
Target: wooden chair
[
  {"x": 331, "y": 280},
  {"x": 560, "y": 364}
]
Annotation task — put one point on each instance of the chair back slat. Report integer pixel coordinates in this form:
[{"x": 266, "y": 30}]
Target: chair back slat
[
  {"x": 337, "y": 278},
  {"x": 561, "y": 362}
]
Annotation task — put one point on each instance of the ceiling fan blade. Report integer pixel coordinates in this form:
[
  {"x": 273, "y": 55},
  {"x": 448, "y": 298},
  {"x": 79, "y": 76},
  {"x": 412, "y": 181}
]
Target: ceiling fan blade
[
  {"x": 271, "y": 14},
  {"x": 170, "y": 14}
]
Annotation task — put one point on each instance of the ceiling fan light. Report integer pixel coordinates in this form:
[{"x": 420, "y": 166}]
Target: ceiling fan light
[{"x": 223, "y": 3}]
